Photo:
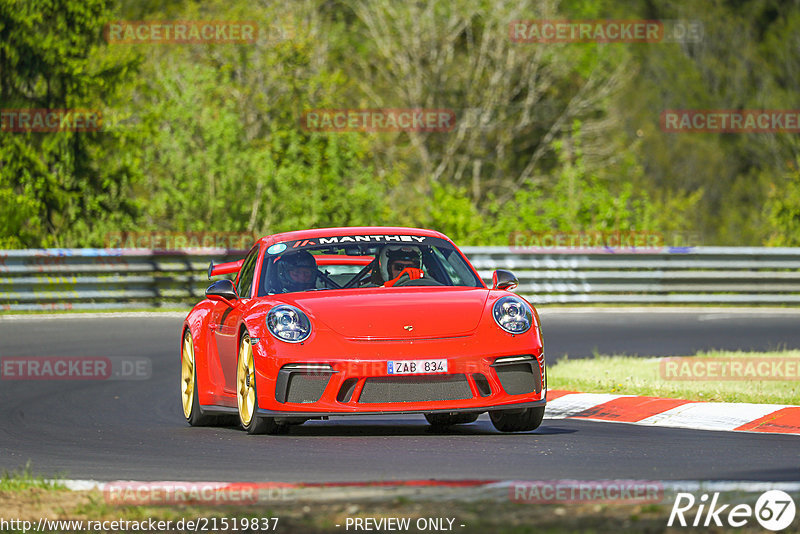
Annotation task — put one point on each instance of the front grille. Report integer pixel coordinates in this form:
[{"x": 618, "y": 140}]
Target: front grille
[
  {"x": 520, "y": 378},
  {"x": 415, "y": 389},
  {"x": 306, "y": 387}
]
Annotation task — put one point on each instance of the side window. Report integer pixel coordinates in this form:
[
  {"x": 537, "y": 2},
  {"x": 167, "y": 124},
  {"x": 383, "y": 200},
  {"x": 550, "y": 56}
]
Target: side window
[{"x": 246, "y": 274}]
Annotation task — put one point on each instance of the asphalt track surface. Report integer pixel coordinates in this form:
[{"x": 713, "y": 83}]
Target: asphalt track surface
[{"x": 134, "y": 430}]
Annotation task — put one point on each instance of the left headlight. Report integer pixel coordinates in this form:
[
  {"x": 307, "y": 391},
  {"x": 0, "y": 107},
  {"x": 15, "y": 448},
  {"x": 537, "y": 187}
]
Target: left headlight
[
  {"x": 513, "y": 315},
  {"x": 288, "y": 323}
]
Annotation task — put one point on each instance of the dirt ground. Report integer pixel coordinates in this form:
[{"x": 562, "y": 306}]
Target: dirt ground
[{"x": 332, "y": 517}]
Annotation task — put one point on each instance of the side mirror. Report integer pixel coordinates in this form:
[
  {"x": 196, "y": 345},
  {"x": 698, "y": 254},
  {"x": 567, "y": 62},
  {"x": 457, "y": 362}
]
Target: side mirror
[
  {"x": 222, "y": 291},
  {"x": 504, "y": 280}
]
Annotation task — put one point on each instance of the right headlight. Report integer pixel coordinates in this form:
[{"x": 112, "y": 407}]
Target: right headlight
[
  {"x": 513, "y": 315},
  {"x": 288, "y": 323}
]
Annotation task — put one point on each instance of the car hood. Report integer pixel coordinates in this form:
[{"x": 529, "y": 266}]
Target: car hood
[{"x": 396, "y": 313}]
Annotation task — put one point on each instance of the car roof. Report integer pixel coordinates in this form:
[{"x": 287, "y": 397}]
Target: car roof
[{"x": 349, "y": 230}]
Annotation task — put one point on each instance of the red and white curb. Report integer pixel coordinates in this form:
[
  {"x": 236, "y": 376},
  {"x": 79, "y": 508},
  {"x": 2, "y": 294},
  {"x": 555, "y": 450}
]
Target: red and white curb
[{"x": 675, "y": 413}]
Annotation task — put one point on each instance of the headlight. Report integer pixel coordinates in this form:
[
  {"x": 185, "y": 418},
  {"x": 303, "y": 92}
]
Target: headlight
[
  {"x": 288, "y": 323},
  {"x": 513, "y": 315}
]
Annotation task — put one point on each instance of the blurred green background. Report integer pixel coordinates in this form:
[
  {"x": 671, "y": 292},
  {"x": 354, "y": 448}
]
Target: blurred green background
[{"x": 549, "y": 138}]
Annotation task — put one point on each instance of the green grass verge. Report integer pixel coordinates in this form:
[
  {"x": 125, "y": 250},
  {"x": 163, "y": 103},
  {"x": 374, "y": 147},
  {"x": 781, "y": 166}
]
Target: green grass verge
[
  {"x": 499, "y": 515},
  {"x": 24, "y": 479},
  {"x": 629, "y": 375},
  {"x": 314, "y": 517}
]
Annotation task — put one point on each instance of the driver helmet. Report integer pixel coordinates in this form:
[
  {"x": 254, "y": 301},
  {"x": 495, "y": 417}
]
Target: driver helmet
[
  {"x": 395, "y": 258},
  {"x": 297, "y": 271}
]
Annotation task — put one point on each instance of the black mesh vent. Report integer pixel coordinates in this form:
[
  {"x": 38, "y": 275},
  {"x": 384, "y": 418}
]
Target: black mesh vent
[
  {"x": 415, "y": 389},
  {"x": 519, "y": 378},
  {"x": 306, "y": 387}
]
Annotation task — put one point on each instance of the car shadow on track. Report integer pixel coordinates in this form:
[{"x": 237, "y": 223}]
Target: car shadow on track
[{"x": 383, "y": 427}]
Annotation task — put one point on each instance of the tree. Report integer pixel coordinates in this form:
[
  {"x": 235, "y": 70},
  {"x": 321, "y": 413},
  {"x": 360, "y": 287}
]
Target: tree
[
  {"x": 782, "y": 210},
  {"x": 226, "y": 150},
  {"x": 62, "y": 187}
]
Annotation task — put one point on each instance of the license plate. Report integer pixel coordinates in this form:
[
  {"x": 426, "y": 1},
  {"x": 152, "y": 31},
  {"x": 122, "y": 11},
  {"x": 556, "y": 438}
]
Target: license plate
[{"x": 415, "y": 367}]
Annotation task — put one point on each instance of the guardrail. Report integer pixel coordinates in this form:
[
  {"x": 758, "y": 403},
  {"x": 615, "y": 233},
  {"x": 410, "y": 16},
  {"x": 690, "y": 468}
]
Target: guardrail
[
  {"x": 63, "y": 279},
  {"x": 699, "y": 275},
  {"x": 137, "y": 278}
]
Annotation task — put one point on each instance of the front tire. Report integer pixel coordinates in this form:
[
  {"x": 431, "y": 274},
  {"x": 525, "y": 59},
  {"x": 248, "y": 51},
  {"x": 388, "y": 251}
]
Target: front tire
[
  {"x": 246, "y": 397},
  {"x": 521, "y": 420},
  {"x": 191, "y": 404},
  {"x": 443, "y": 420}
]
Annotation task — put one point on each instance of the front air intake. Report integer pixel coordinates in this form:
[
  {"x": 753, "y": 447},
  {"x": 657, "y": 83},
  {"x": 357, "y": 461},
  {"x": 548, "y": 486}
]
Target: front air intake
[
  {"x": 519, "y": 375},
  {"x": 415, "y": 389},
  {"x": 305, "y": 388},
  {"x": 347, "y": 389},
  {"x": 302, "y": 383},
  {"x": 482, "y": 384}
]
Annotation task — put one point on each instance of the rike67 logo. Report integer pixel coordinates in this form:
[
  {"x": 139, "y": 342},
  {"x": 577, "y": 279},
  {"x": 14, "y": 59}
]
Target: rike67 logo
[{"x": 774, "y": 510}]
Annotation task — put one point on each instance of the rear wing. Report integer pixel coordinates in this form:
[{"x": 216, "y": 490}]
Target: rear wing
[{"x": 224, "y": 268}]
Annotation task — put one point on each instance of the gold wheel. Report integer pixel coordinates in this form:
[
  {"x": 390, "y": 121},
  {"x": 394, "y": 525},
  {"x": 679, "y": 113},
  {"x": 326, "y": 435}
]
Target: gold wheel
[
  {"x": 246, "y": 382},
  {"x": 187, "y": 374}
]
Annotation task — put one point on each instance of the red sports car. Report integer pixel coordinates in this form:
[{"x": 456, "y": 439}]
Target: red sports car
[{"x": 354, "y": 321}]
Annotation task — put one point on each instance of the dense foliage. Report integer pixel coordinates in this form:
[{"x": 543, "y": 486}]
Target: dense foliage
[{"x": 560, "y": 137}]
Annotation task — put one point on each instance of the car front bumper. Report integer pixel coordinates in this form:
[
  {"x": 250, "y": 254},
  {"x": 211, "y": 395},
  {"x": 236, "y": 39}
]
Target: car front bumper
[{"x": 480, "y": 376}]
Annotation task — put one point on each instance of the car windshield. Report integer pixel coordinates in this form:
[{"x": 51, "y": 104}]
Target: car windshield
[{"x": 351, "y": 262}]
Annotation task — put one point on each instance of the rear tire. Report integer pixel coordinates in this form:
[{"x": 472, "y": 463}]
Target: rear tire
[
  {"x": 442, "y": 420},
  {"x": 522, "y": 420},
  {"x": 247, "y": 397}
]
